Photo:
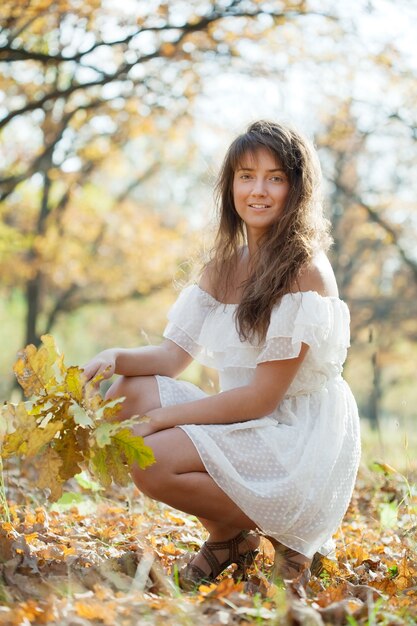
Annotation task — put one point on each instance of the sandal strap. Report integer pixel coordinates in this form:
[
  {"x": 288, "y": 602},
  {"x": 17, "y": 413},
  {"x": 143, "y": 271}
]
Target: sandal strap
[
  {"x": 212, "y": 560},
  {"x": 231, "y": 544},
  {"x": 194, "y": 575}
]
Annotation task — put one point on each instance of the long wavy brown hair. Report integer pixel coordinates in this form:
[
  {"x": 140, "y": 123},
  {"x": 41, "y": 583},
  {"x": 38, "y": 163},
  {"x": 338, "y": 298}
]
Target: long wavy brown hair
[{"x": 288, "y": 245}]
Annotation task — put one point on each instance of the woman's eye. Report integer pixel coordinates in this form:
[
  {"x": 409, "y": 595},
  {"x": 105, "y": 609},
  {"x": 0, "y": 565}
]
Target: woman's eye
[{"x": 277, "y": 179}]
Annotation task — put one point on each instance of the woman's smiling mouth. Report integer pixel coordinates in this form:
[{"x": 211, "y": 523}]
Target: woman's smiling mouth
[{"x": 259, "y": 207}]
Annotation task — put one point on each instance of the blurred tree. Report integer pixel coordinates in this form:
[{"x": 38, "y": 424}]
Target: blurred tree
[
  {"x": 367, "y": 152},
  {"x": 91, "y": 92},
  {"x": 95, "y": 117}
]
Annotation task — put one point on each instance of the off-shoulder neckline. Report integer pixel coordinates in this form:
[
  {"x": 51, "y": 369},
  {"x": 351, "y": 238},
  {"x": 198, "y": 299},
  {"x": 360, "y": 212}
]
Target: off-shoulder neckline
[{"x": 291, "y": 293}]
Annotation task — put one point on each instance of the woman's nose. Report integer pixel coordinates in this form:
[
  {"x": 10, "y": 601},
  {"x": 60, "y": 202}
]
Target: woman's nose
[{"x": 258, "y": 188}]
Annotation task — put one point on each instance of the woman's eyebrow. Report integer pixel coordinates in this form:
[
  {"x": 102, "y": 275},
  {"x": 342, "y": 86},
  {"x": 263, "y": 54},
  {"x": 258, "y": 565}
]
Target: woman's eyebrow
[{"x": 252, "y": 169}]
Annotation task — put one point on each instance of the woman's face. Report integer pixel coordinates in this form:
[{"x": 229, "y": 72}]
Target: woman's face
[{"x": 260, "y": 190}]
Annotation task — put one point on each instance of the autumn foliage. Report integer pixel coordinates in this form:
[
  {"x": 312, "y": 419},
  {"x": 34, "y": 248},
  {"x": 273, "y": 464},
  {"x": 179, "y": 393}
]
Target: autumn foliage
[{"x": 67, "y": 425}]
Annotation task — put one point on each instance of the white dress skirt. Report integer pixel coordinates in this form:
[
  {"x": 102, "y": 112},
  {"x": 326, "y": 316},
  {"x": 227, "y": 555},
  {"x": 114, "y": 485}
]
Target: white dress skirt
[{"x": 293, "y": 471}]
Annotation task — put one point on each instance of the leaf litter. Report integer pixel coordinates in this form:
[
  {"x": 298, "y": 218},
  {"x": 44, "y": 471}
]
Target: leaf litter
[
  {"x": 106, "y": 554},
  {"x": 115, "y": 562}
]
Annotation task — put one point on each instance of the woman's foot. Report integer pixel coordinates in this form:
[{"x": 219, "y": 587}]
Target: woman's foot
[
  {"x": 288, "y": 564},
  {"x": 215, "y": 556}
]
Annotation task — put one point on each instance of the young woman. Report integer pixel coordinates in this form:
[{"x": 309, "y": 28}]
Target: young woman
[{"x": 277, "y": 450}]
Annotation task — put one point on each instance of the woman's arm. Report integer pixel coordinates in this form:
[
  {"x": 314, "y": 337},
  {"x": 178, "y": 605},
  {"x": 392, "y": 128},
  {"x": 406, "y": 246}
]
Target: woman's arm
[
  {"x": 257, "y": 399},
  {"x": 167, "y": 359}
]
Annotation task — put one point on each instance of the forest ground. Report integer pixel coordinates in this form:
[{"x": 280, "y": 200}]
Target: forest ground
[{"x": 111, "y": 558}]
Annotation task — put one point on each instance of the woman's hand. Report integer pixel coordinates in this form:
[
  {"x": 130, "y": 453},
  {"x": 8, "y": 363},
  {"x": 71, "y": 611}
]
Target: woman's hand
[{"x": 104, "y": 364}]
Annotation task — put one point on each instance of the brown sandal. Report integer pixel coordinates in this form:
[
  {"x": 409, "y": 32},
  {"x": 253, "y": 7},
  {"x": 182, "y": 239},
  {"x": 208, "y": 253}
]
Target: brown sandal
[{"x": 192, "y": 576}]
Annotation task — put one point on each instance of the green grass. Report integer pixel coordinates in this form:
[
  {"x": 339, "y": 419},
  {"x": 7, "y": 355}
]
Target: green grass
[{"x": 393, "y": 443}]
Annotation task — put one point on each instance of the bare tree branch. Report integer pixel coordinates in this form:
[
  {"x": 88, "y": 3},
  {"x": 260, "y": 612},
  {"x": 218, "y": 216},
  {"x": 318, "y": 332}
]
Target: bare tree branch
[
  {"x": 387, "y": 227},
  {"x": 64, "y": 93},
  {"x": 124, "y": 68},
  {"x": 59, "y": 307},
  {"x": 136, "y": 182},
  {"x": 11, "y": 182},
  {"x": 74, "y": 298},
  {"x": 86, "y": 298}
]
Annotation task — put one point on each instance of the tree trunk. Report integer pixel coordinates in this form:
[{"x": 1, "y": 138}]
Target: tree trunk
[
  {"x": 375, "y": 399},
  {"x": 34, "y": 284},
  {"x": 33, "y": 291}
]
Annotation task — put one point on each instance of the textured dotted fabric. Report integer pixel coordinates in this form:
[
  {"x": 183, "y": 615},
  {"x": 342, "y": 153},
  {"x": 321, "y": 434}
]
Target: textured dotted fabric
[{"x": 293, "y": 471}]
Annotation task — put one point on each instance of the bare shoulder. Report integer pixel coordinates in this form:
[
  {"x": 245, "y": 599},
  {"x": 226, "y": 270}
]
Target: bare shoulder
[
  {"x": 213, "y": 280},
  {"x": 206, "y": 282},
  {"x": 318, "y": 276}
]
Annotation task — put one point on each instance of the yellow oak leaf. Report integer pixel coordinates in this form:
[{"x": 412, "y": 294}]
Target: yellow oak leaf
[
  {"x": 109, "y": 410},
  {"x": 41, "y": 436},
  {"x": 21, "y": 425},
  {"x": 48, "y": 466},
  {"x": 51, "y": 348},
  {"x": 34, "y": 367},
  {"x": 74, "y": 382},
  {"x": 133, "y": 448},
  {"x": 93, "y": 399},
  {"x": 118, "y": 470},
  {"x": 99, "y": 465},
  {"x": 112, "y": 409}
]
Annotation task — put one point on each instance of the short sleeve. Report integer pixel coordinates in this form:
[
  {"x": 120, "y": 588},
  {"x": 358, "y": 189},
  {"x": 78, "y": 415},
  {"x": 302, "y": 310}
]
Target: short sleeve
[
  {"x": 307, "y": 317},
  {"x": 186, "y": 318}
]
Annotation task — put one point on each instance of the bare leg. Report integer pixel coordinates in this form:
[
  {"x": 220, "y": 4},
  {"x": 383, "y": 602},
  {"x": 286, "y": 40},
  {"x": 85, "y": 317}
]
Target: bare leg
[
  {"x": 179, "y": 479},
  {"x": 140, "y": 392}
]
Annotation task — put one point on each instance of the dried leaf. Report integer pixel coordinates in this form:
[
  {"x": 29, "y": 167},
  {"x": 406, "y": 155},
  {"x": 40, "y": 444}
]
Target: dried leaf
[
  {"x": 48, "y": 466},
  {"x": 96, "y": 610},
  {"x": 70, "y": 455}
]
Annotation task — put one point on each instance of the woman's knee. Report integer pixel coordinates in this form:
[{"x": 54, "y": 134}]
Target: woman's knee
[
  {"x": 141, "y": 394},
  {"x": 153, "y": 480},
  {"x": 175, "y": 455},
  {"x": 126, "y": 385}
]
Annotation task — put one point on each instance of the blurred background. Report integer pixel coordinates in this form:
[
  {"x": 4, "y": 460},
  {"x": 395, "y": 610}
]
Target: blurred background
[{"x": 114, "y": 118}]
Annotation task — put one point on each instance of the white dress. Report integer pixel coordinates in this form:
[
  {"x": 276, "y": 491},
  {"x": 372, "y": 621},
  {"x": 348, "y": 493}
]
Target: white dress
[{"x": 293, "y": 471}]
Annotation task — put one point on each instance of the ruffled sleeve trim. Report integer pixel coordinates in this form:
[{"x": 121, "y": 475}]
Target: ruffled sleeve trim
[
  {"x": 307, "y": 317},
  {"x": 206, "y": 329}
]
